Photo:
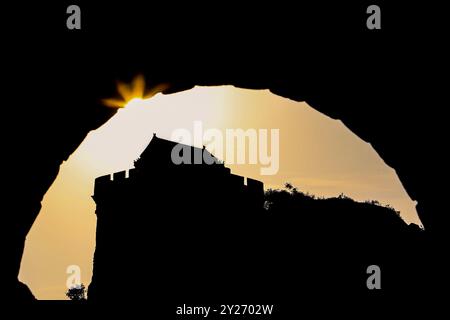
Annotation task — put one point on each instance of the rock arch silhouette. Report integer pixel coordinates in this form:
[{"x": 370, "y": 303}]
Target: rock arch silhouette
[{"x": 370, "y": 80}]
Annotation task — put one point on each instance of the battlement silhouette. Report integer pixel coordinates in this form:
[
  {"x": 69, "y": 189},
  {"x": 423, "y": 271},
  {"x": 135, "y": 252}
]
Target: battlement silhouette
[
  {"x": 103, "y": 183},
  {"x": 155, "y": 166}
]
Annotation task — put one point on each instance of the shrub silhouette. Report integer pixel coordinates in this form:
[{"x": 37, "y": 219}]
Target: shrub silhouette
[{"x": 77, "y": 293}]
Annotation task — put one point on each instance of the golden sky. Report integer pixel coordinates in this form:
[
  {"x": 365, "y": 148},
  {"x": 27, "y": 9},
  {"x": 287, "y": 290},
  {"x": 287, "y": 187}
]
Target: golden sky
[{"x": 317, "y": 154}]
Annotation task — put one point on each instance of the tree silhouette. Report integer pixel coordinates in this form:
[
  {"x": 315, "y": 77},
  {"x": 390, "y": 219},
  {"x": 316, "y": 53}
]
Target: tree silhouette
[{"x": 77, "y": 293}]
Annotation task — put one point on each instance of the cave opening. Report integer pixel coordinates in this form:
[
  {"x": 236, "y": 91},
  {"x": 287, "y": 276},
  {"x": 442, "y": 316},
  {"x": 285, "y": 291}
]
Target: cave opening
[{"x": 317, "y": 154}]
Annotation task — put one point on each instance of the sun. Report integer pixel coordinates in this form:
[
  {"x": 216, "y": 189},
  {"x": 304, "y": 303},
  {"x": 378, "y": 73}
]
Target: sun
[
  {"x": 136, "y": 103},
  {"x": 134, "y": 91}
]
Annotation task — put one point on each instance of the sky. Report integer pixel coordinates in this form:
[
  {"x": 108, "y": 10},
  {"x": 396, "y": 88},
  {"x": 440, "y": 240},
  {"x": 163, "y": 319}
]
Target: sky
[{"x": 317, "y": 154}]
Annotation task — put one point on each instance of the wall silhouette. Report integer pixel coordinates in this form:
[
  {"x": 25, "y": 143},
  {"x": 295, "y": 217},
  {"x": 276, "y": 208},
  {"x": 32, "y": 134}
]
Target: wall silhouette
[
  {"x": 171, "y": 234},
  {"x": 175, "y": 221}
]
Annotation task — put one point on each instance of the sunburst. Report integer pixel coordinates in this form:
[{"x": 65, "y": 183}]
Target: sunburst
[{"x": 135, "y": 90}]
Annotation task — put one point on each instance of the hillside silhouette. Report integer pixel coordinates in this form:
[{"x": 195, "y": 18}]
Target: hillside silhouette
[{"x": 367, "y": 218}]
